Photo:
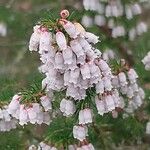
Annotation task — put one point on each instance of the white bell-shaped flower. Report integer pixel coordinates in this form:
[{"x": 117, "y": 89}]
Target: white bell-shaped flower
[
  {"x": 46, "y": 103},
  {"x": 148, "y": 128},
  {"x": 1, "y": 113},
  {"x": 76, "y": 47},
  {"x": 32, "y": 115},
  {"x": 141, "y": 28},
  {"x": 100, "y": 105},
  {"x": 141, "y": 93},
  {"x": 118, "y": 31},
  {"x": 63, "y": 105},
  {"x": 91, "y": 55},
  {"x": 59, "y": 84},
  {"x": 121, "y": 102},
  {"x": 45, "y": 42},
  {"x": 52, "y": 53},
  {"x": 74, "y": 76},
  {"x": 128, "y": 12},
  {"x": 46, "y": 118},
  {"x": 59, "y": 61},
  {"x": 134, "y": 87},
  {"x": 137, "y": 99},
  {"x": 51, "y": 82},
  {"x": 103, "y": 65},
  {"x": 108, "y": 11},
  {"x": 73, "y": 65},
  {"x": 23, "y": 115},
  {"x": 66, "y": 77},
  {"x": 107, "y": 83},
  {"x": 84, "y": 43},
  {"x": 132, "y": 34},
  {"x": 124, "y": 89},
  {"x": 115, "y": 11},
  {"x": 94, "y": 70},
  {"x": 84, "y": 83},
  {"x": 132, "y": 75},
  {"x": 61, "y": 40},
  {"x": 100, "y": 20},
  {"x": 110, "y": 105},
  {"x": 114, "y": 114},
  {"x": 3, "y": 29},
  {"x": 115, "y": 82},
  {"x": 122, "y": 78},
  {"x": 82, "y": 93},
  {"x": 40, "y": 117},
  {"x": 87, "y": 21},
  {"x": 72, "y": 91},
  {"x": 35, "y": 39},
  {"x": 85, "y": 116},
  {"x": 80, "y": 132},
  {"x": 79, "y": 29},
  {"x": 130, "y": 92},
  {"x": 6, "y": 115},
  {"x": 98, "y": 52},
  {"x": 136, "y": 9},
  {"x": 81, "y": 59},
  {"x": 67, "y": 107},
  {"x": 14, "y": 104},
  {"x": 85, "y": 71},
  {"x": 100, "y": 87},
  {"x": 67, "y": 55},
  {"x": 111, "y": 23},
  {"x": 91, "y": 38},
  {"x": 70, "y": 29}
]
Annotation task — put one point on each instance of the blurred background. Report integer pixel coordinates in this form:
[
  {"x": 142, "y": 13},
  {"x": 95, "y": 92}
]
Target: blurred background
[{"x": 19, "y": 68}]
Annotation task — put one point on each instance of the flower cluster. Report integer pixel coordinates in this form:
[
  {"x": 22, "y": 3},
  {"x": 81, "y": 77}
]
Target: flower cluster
[
  {"x": 108, "y": 102},
  {"x": 74, "y": 67},
  {"x": 6, "y": 121},
  {"x": 108, "y": 13},
  {"x": 146, "y": 61},
  {"x": 113, "y": 8},
  {"x": 71, "y": 64},
  {"x": 126, "y": 83},
  {"x": 30, "y": 112}
]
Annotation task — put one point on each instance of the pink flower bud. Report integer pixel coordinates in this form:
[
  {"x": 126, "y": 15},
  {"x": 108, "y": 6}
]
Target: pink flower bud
[{"x": 64, "y": 13}]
